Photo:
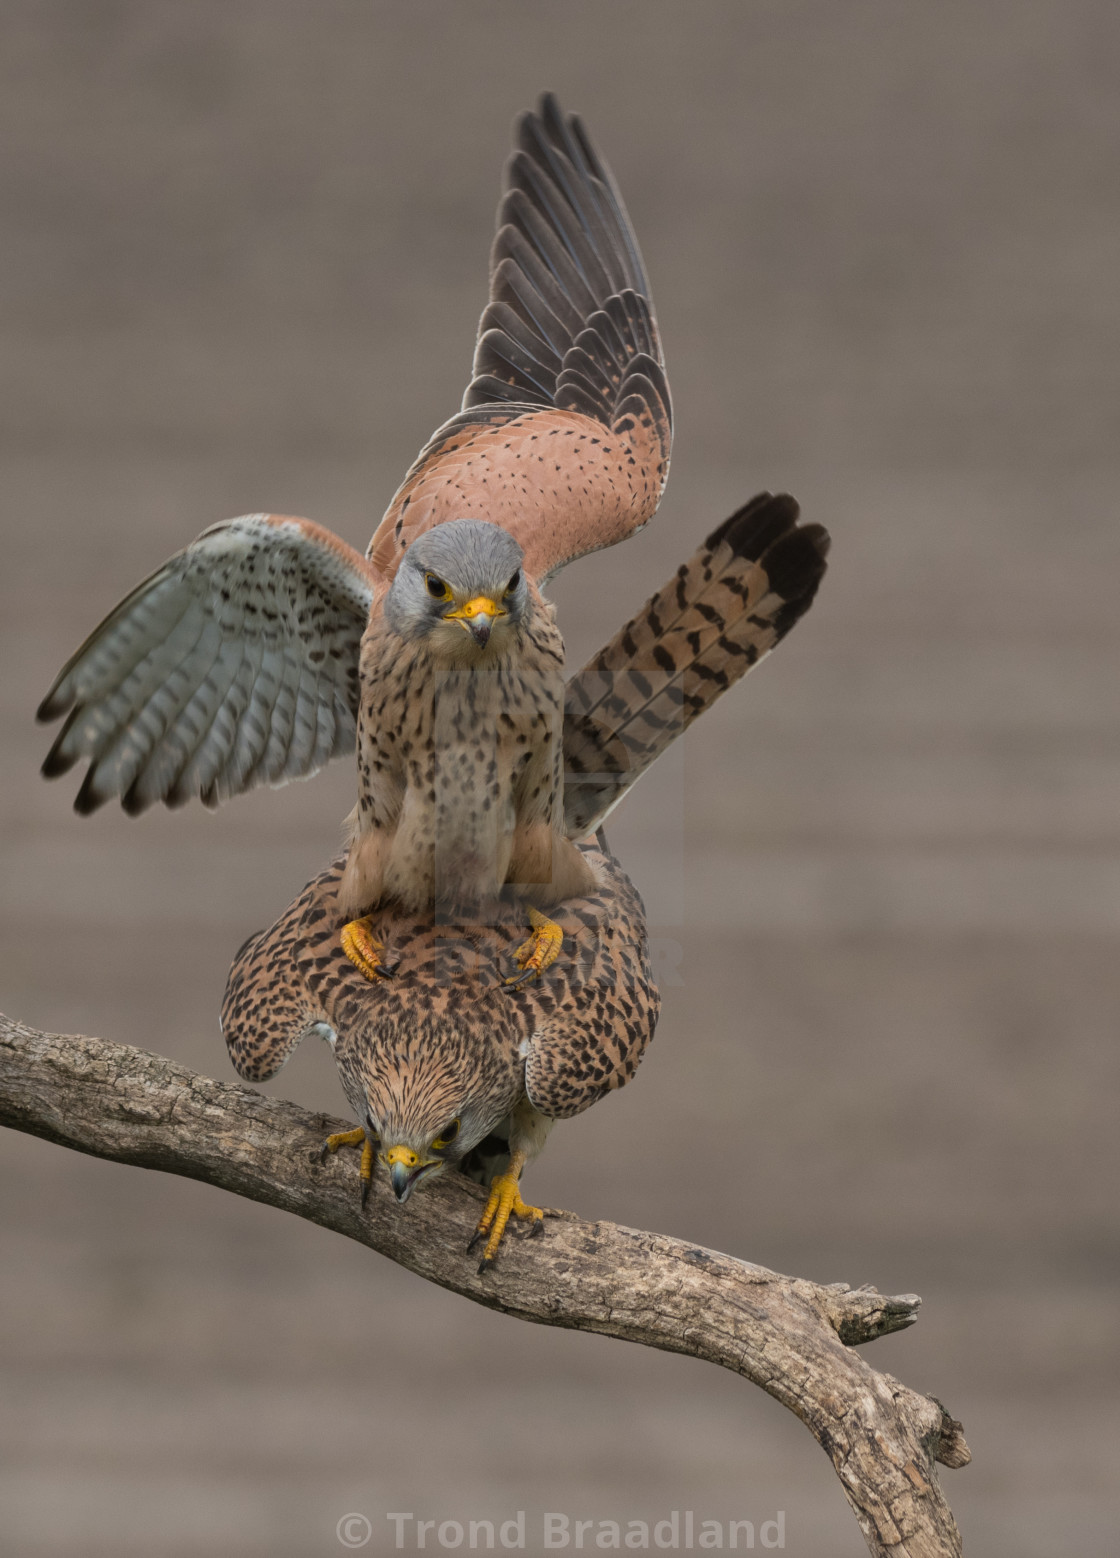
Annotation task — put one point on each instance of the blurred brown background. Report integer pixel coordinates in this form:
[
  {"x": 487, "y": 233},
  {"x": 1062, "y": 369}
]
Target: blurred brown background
[{"x": 242, "y": 253}]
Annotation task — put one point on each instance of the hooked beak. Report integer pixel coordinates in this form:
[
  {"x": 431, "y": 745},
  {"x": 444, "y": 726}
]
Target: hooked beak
[
  {"x": 405, "y": 1168},
  {"x": 477, "y": 617}
]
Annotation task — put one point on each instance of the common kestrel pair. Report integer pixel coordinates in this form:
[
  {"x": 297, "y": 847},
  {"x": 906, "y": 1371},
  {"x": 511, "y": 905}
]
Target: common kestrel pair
[{"x": 269, "y": 646}]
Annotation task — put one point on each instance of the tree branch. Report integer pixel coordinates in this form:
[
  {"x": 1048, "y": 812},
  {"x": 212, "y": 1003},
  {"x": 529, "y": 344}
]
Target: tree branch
[{"x": 791, "y": 1337}]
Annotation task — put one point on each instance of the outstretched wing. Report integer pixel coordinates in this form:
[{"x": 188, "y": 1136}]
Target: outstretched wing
[
  {"x": 724, "y": 610},
  {"x": 233, "y": 665},
  {"x": 565, "y": 430}
]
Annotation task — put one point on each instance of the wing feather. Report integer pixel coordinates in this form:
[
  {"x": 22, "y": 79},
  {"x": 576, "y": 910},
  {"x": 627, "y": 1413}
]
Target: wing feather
[
  {"x": 227, "y": 668},
  {"x": 170, "y": 750},
  {"x": 567, "y": 348},
  {"x": 216, "y": 741}
]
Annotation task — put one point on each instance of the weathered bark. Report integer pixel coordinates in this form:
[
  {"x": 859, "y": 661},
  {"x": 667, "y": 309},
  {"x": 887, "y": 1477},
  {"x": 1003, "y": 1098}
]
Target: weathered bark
[{"x": 793, "y": 1338}]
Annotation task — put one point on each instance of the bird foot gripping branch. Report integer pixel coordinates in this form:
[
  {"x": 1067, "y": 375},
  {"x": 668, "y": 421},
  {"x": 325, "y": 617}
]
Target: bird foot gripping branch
[
  {"x": 504, "y": 1202},
  {"x": 352, "y": 1138}
]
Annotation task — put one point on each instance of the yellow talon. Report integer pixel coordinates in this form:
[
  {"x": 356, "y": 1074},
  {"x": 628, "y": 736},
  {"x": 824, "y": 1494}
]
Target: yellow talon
[
  {"x": 504, "y": 1202},
  {"x": 341, "y": 1139},
  {"x": 540, "y": 951},
  {"x": 363, "y": 949},
  {"x": 351, "y": 1139}
]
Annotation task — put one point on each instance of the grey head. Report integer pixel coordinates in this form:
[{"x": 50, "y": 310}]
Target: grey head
[{"x": 460, "y": 584}]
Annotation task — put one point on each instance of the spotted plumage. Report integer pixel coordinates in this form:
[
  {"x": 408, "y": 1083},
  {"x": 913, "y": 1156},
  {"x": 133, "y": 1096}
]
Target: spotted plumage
[
  {"x": 234, "y": 664},
  {"x": 460, "y": 763},
  {"x": 255, "y": 655},
  {"x": 445, "y": 1040},
  {"x": 269, "y": 646}
]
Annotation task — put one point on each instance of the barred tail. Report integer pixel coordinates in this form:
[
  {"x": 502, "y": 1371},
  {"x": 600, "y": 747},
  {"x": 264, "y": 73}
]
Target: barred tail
[{"x": 724, "y": 610}]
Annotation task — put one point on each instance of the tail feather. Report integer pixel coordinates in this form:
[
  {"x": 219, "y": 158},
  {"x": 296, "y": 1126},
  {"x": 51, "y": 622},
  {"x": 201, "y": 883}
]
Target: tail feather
[{"x": 721, "y": 613}]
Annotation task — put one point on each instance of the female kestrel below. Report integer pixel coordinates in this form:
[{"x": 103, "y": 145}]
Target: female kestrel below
[
  {"x": 269, "y": 646},
  {"x": 444, "y": 1065}
]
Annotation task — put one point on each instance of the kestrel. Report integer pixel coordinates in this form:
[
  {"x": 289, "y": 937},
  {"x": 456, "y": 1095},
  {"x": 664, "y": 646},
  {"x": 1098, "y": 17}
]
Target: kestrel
[
  {"x": 446, "y": 1066},
  {"x": 269, "y": 646}
]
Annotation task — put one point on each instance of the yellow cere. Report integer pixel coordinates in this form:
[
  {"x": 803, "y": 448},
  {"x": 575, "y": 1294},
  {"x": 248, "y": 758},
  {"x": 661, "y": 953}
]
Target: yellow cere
[{"x": 481, "y": 606}]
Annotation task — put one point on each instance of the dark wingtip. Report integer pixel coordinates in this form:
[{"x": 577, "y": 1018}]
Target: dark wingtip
[
  {"x": 86, "y": 802},
  {"x": 132, "y": 804},
  {"x": 55, "y": 763},
  {"x": 52, "y": 707}
]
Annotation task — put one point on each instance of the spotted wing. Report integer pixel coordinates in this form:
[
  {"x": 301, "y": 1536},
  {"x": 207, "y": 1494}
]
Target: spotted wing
[
  {"x": 566, "y": 424},
  {"x": 267, "y": 1008},
  {"x": 233, "y": 665},
  {"x": 597, "y": 1007},
  {"x": 724, "y": 610}
]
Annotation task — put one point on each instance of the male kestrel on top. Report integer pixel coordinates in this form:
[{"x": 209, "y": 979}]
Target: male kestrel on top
[{"x": 238, "y": 662}]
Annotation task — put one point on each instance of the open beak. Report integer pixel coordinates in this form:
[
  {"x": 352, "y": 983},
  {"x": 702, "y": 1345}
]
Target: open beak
[
  {"x": 401, "y": 1181},
  {"x": 405, "y": 1168},
  {"x": 477, "y": 617}
]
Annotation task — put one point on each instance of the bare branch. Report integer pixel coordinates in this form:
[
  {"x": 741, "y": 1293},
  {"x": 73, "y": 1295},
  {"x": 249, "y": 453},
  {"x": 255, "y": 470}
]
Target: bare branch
[{"x": 791, "y": 1337}]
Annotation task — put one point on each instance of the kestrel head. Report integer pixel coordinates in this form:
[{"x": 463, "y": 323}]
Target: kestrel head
[
  {"x": 460, "y": 585},
  {"x": 429, "y": 1097}
]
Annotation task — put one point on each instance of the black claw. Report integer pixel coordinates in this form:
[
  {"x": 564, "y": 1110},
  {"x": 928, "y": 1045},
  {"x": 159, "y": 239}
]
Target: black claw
[
  {"x": 484, "y": 1265},
  {"x": 475, "y": 1241},
  {"x": 537, "y": 1229},
  {"x": 324, "y": 1152},
  {"x": 389, "y": 962},
  {"x": 366, "y": 1185}
]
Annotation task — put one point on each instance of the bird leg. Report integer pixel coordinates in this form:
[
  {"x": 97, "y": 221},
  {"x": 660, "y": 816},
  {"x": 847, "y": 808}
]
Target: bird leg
[
  {"x": 539, "y": 952},
  {"x": 505, "y": 1201},
  {"x": 364, "y": 950},
  {"x": 351, "y": 1139}
]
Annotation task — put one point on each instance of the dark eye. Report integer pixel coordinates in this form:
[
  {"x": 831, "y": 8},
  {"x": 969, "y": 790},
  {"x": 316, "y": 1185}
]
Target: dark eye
[
  {"x": 446, "y": 1136},
  {"x": 514, "y": 582},
  {"x": 436, "y": 587}
]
